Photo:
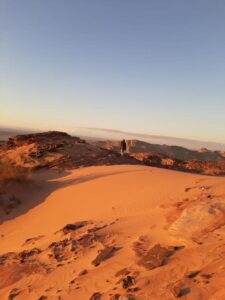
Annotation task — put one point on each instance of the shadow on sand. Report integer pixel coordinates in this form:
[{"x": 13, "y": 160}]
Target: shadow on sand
[{"x": 42, "y": 184}]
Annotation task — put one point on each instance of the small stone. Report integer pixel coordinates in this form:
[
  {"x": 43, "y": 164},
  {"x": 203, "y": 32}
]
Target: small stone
[
  {"x": 192, "y": 274},
  {"x": 128, "y": 281},
  {"x": 72, "y": 281},
  {"x": 72, "y": 227},
  {"x": 96, "y": 296},
  {"x": 42, "y": 297},
  {"x": 84, "y": 272},
  {"x": 178, "y": 290}
]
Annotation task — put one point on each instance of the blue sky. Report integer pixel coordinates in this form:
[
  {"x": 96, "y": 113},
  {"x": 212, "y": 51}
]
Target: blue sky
[{"x": 154, "y": 67}]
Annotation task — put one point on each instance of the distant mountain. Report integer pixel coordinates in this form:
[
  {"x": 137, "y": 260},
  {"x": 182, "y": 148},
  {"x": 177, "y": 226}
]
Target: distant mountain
[{"x": 175, "y": 152}]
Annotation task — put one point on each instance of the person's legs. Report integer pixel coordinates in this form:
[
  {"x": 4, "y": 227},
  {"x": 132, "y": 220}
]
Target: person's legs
[{"x": 121, "y": 152}]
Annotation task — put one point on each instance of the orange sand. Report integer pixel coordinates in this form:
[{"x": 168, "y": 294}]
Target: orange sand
[{"x": 136, "y": 204}]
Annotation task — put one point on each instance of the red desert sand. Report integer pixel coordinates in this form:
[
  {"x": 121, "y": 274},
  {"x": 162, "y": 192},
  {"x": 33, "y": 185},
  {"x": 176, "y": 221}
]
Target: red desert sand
[{"x": 114, "y": 232}]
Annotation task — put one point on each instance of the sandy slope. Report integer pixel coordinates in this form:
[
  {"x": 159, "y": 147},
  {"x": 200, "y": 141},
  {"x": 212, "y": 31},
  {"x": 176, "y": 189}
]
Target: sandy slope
[{"x": 128, "y": 208}]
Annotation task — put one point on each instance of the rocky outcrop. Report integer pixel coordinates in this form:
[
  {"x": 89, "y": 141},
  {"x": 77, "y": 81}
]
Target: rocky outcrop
[
  {"x": 194, "y": 166},
  {"x": 56, "y": 138},
  {"x": 57, "y": 150},
  {"x": 174, "y": 152}
]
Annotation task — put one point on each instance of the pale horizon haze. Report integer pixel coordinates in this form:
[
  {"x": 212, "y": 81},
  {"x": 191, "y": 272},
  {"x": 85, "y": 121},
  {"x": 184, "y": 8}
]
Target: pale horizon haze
[{"x": 151, "y": 67}]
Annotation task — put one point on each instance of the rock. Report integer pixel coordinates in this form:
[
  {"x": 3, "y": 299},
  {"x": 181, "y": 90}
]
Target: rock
[
  {"x": 128, "y": 281},
  {"x": 179, "y": 290},
  {"x": 130, "y": 297},
  {"x": 50, "y": 138},
  {"x": 13, "y": 293},
  {"x": 72, "y": 281},
  {"x": 26, "y": 254},
  {"x": 72, "y": 227},
  {"x": 84, "y": 272},
  {"x": 192, "y": 274},
  {"x": 155, "y": 257},
  {"x": 87, "y": 240},
  {"x": 58, "y": 249},
  {"x": 116, "y": 297},
  {"x": 104, "y": 254},
  {"x": 134, "y": 289},
  {"x": 9, "y": 256},
  {"x": 42, "y": 297},
  {"x": 176, "y": 291},
  {"x": 73, "y": 245},
  {"x": 96, "y": 296}
]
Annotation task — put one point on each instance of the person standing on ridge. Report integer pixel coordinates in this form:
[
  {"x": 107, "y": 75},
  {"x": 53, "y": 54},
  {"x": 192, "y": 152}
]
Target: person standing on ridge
[{"x": 123, "y": 147}]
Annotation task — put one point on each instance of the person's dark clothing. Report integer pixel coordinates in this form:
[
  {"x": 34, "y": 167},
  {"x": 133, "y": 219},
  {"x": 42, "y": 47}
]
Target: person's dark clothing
[{"x": 123, "y": 145}]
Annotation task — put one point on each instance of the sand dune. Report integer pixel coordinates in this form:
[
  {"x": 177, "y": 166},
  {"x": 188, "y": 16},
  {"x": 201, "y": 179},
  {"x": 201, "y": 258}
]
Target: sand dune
[{"x": 134, "y": 232}]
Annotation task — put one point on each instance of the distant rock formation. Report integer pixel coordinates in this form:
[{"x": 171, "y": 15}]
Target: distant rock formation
[
  {"x": 194, "y": 166},
  {"x": 175, "y": 152}
]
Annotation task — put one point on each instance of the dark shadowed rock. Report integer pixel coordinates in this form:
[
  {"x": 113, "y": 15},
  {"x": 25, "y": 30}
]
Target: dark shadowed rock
[
  {"x": 128, "y": 281},
  {"x": 58, "y": 249},
  {"x": 26, "y": 254},
  {"x": 192, "y": 274},
  {"x": 155, "y": 257},
  {"x": 178, "y": 289},
  {"x": 96, "y": 296},
  {"x": 9, "y": 256},
  {"x": 84, "y": 272},
  {"x": 116, "y": 297},
  {"x": 73, "y": 245},
  {"x": 42, "y": 297},
  {"x": 87, "y": 240},
  {"x": 130, "y": 297},
  {"x": 104, "y": 254},
  {"x": 72, "y": 227}
]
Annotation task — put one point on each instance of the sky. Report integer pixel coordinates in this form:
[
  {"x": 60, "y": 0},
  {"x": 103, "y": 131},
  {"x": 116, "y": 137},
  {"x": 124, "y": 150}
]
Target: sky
[{"x": 152, "y": 67}]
